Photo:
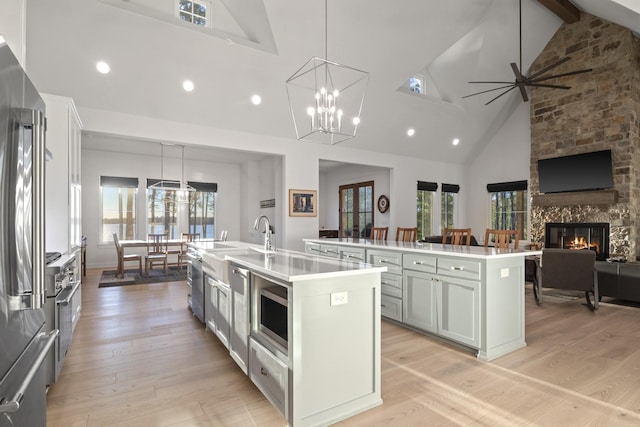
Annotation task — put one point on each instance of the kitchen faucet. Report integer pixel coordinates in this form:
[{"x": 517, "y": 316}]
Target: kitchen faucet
[{"x": 268, "y": 245}]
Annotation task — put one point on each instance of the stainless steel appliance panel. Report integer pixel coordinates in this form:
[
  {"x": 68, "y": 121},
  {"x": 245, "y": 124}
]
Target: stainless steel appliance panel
[{"x": 22, "y": 126}]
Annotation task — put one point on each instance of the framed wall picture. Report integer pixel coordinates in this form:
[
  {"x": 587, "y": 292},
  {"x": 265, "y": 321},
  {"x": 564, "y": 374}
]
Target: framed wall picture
[{"x": 303, "y": 203}]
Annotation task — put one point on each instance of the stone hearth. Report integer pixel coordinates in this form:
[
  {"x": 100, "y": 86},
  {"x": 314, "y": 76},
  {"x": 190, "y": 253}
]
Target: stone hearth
[{"x": 601, "y": 111}]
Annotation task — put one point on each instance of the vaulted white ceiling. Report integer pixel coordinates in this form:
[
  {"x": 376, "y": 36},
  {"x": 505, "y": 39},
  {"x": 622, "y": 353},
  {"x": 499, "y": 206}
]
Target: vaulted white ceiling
[{"x": 256, "y": 45}]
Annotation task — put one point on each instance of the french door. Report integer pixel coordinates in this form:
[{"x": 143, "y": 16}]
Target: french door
[{"x": 356, "y": 209}]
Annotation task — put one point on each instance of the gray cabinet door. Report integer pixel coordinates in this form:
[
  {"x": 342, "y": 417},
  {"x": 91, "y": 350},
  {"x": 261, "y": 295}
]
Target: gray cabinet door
[
  {"x": 210, "y": 302},
  {"x": 419, "y": 300},
  {"x": 239, "y": 338},
  {"x": 222, "y": 304},
  {"x": 459, "y": 310}
]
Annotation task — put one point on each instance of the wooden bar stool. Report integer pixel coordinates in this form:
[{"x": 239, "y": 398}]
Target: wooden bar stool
[
  {"x": 379, "y": 233},
  {"x": 458, "y": 236}
]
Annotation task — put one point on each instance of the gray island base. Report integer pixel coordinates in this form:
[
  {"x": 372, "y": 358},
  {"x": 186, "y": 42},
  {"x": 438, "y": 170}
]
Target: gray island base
[
  {"x": 470, "y": 296},
  {"x": 305, "y": 329}
]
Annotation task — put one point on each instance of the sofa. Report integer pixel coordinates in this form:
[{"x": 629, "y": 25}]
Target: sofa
[
  {"x": 438, "y": 239},
  {"x": 619, "y": 280}
]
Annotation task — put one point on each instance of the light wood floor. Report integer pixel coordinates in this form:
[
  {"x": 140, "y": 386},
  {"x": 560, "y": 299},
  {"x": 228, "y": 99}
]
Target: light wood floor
[{"x": 139, "y": 358}]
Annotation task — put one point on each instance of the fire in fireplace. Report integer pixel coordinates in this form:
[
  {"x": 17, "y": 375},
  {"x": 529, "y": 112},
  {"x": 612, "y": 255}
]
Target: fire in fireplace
[{"x": 579, "y": 236}]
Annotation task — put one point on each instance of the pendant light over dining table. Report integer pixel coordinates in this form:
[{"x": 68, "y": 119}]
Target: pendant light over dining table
[
  {"x": 182, "y": 188},
  {"x": 326, "y": 98}
]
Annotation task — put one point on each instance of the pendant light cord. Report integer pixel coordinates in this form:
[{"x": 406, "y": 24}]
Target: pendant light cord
[{"x": 326, "y": 44}]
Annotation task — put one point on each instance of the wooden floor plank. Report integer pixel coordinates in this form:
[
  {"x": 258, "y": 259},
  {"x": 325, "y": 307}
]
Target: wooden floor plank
[{"x": 139, "y": 357}]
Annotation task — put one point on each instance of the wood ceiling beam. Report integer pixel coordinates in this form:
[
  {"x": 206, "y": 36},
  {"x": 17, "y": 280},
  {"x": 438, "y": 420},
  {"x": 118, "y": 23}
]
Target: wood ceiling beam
[{"x": 566, "y": 10}]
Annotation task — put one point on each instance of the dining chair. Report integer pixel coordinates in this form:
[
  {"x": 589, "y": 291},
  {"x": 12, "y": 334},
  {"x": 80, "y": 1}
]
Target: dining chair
[
  {"x": 501, "y": 238},
  {"x": 122, "y": 258},
  {"x": 379, "y": 233},
  {"x": 223, "y": 235},
  {"x": 157, "y": 252},
  {"x": 407, "y": 234},
  {"x": 186, "y": 238},
  {"x": 456, "y": 236}
]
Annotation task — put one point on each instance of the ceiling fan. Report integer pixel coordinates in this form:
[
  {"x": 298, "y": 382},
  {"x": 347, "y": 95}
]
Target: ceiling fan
[{"x": 535, "y": 79}]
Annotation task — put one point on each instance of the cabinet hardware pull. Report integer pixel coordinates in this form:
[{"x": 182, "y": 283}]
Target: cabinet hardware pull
[
  {"x": 457, "y": 268},
  {"x": 264, "y": 372},
  {"x": 384, "y": 261},
  {"x": 418, "y": 262},
  {"x": 315, "y": 249}
]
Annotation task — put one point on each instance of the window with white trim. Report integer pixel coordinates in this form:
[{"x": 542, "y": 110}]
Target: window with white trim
[
  {"x": 448, "y": 205},
  {"x": 194, "y": 11},
  {"x": 424, "y": 200},
  {"x": 509, "y": 206},
  {"x": 119, "y": 197}
]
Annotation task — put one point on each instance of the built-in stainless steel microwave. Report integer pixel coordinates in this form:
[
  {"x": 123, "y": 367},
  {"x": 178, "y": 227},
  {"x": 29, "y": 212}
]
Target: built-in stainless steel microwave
[{"x": 273, "y": 313}]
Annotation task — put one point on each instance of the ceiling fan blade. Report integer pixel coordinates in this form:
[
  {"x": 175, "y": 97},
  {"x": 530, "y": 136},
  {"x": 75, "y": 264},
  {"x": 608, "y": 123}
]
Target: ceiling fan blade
[
  {"x": 549, "y": 67},
  {"x": 549, "y": 86},
  {"x": 555, "y": 76},
  {"x": 503, "y": 93},
  {"x": 490, "y": 90},
  {"x": 519, "y": 76},
  {"x": 523, "y": 92},
  {"x": 497, "y": 83}
]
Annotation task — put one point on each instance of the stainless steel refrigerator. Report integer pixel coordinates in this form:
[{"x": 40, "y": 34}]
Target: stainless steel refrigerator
[{"x": 23, "y": 344}]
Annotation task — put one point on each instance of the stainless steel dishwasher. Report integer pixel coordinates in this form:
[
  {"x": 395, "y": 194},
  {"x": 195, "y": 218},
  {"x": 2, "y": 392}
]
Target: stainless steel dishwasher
[{"x": 195, "y": 281}]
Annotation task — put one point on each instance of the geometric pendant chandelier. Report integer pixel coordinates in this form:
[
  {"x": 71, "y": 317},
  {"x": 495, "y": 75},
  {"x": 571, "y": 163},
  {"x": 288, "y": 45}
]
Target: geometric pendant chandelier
[{"x": 326, "y": 99}]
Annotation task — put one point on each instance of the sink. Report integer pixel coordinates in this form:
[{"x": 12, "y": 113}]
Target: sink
[{"x": 216, "y": 263}]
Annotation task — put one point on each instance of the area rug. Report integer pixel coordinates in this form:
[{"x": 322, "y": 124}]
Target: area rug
[{"x": 133, "y": 277}]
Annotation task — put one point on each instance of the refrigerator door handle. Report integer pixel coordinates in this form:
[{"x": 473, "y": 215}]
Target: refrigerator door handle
[
  {"x": 34, "y": 297},
  {"x": 14, "y": 404}
]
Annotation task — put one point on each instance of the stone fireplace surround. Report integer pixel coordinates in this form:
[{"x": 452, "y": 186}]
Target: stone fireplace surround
[{"x": 601, "y": 111}]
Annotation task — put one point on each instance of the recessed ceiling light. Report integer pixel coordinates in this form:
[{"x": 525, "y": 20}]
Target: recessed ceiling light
[
  {"x": 188, "y": 85},
  {"x": 356, "y": 120},
  {"x": 256, "y": 100},
  {"x": 456, "y": 141},
  {"x": 103, "y": 67},
  {"x": 411, "y": 131}
]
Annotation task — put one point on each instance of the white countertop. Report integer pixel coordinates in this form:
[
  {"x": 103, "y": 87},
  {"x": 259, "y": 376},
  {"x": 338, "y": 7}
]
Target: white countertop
[
  {"x": 291, "y": 266},
  {"x": 431, "y": 248}
]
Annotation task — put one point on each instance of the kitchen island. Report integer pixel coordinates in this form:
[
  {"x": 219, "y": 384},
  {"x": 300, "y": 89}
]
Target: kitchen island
[
  {"x": 469, "y": 295},
  {"x": 305, "y": 329}
]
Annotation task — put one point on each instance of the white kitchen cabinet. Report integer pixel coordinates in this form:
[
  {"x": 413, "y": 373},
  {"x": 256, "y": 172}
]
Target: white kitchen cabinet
[
  {"x": 239, "y": 327},
  {"x": 469, "y": 295},
  {"x": 459, "y": 310},
  {"x": 63, "y": 195},
  {"x": 420, "y": 300},
  {"x": 321, "y": 249},
  {"x": 222, "y": 311}
]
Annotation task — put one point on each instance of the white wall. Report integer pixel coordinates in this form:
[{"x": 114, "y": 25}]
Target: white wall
[
  {"x": 328, "y": 197},
  {"x": 13, "y": 27},
  {"x": 96, "y": 163},
  {"x": 506, "y": 158},
  {"x": 299, "y": 167}
]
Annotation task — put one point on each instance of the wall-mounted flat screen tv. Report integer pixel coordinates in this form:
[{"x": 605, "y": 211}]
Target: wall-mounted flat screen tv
[{"x": 580, "y": 172}]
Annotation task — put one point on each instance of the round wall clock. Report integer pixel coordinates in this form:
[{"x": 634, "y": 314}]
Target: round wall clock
[{"x": 383, "y": 203}]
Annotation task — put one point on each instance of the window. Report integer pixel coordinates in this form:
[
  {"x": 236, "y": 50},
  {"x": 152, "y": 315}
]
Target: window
[
  {"x": 448, "y": 202},
  {"x": 424, "y": 202},
  {"x": 202, "y": 209},
  {"x": 356, "y": 209},
  {"x": 194, "y": 11},
  {"x": 119, "y": 197},
  {"x": 416, "y": 84},
  {"x": 166, "y": 213},
  {"x": 162, "y": 207},
  {"x": 509, "y": 206}
]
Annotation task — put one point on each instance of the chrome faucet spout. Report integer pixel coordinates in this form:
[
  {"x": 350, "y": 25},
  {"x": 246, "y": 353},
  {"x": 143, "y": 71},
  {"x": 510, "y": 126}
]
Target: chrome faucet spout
[{"x": 268, "y": 244}]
